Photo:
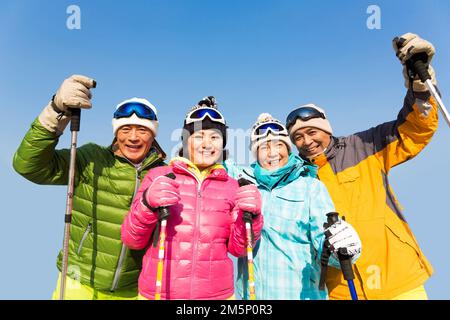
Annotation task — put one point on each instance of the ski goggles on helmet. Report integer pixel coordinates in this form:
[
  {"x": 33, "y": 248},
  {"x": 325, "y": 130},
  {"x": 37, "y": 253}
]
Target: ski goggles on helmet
[
  {"x": 201, "y": 113},
  {"x": 263, "y": 129},
  {"x": 304, "y": 114},
  {"x": 141, "y": 110}
]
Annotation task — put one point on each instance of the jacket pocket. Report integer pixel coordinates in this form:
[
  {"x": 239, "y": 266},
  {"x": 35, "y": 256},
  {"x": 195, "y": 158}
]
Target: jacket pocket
[
  {"x": 407, "y": 251},
  {"x": 348, "y": 193},
  {"x": 290, "y": 199},
  {"x": 400, "y": 233},
  {"x": 84, "y": 237},
  {"x": 349, "y": 175},
  {"x": 288, "y": 208}
]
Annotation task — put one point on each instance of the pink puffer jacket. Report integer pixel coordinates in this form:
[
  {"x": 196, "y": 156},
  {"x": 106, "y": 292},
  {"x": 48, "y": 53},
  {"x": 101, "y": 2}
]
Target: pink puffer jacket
[{"x": 201, "y": 230}]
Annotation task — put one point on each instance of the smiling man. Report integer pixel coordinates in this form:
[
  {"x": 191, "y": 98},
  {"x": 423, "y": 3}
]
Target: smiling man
[
  {"x": 135, "y": 126},
  {"x": 355, "y": 171},
  {"x": 100, "y": 266}
]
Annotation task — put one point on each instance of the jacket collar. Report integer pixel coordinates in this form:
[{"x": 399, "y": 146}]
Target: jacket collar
[
  {"x": 295, "y": 168},
  {"x": 330, "y": 153},
  {"x": 182, "y": 165}
]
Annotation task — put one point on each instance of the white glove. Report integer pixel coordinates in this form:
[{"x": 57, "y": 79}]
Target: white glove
[
  {"x": 74, "y": 92},
  {"x": 408, "y": 45},
  {"x": 343, "y": 235}
]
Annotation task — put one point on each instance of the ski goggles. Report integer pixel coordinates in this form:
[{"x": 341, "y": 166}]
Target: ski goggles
[
  {"x": 304, "y": 114},
  {"x": 201, "y": 113},
  {"x": 141, "y": 110},
  {"x": 262, "y": 130}
]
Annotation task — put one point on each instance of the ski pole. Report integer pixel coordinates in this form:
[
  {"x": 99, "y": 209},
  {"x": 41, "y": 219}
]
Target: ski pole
[
  {"x": 344, "y": 259},
  {"x": 248, "y": 219},
  {"x": 416, "y": 64},
  {"x": 74, "y": 128},
  {"x": 163, "y": 214}
]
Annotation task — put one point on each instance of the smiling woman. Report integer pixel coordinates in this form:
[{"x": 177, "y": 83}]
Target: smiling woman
[
  {"x": 205, "y": 147},
  {"x": 205, "y": 218}
]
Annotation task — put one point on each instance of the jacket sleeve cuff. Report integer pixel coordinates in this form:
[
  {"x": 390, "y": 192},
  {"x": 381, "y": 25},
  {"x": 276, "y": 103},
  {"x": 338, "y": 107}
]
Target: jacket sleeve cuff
[
  {"x": 53, "y": 120},
  {"x": 145, "y": 203}
]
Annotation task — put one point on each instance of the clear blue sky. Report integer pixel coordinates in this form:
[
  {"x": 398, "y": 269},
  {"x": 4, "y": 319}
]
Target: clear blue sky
[{"x": 254, "y": 56}]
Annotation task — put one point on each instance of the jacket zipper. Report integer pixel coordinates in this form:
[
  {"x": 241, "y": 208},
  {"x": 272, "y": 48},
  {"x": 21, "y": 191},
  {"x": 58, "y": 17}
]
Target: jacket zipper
[
  {"x": 85, "y": 235},
  {"x": 123, "y": 250},
  {"x": 196, "y": 232},
  {"x": 197, "y": 223}
]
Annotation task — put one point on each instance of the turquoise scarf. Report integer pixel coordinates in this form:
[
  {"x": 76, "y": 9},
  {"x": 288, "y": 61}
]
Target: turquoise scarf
[{"x": 269, "y": 178}]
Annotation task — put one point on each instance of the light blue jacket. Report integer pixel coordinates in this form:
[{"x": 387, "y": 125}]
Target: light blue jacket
[{"x": 287, "y": 257}]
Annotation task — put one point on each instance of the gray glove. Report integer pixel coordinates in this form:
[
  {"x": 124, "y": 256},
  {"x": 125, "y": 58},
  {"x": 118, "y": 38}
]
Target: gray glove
[
  {"x": 405, "y": 47},
  {"x": 74, "y": 92}
]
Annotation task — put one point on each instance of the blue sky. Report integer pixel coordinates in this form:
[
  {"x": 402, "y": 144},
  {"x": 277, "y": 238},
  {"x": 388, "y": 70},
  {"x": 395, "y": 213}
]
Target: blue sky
[{"x": 254, "y": 56}]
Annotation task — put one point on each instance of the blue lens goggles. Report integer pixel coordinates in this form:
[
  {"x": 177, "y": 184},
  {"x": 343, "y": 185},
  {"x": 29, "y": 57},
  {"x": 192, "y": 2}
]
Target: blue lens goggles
[
  {"x": 140, "y": 109},
  {"x": 304, "y": 114},
  {"x": 201, "y": 114},
  {"x": 271, "y": 126}
]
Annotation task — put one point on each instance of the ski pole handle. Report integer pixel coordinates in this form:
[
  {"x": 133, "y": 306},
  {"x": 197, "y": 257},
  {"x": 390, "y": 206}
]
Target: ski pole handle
[
  {"x": 75, "y": 119},
  {"x": 344, "y": 259},
  {"x": 417, "y": 65},
  {"x": 332, "y": 217},
  {"x": 163, "y": 214},
  {"x": 76, "y": 113},
  {"x": 248, "y": 216},
  {"x": 74, "y": 128},
  {"x": 244, "y": 182},
  {"x": 248, "y": 219}
]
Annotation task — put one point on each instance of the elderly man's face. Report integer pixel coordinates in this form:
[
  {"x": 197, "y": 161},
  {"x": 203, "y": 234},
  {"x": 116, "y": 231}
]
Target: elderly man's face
[
  {"x": 134, "y": 142},
  {"x": 311, "y": 141}
]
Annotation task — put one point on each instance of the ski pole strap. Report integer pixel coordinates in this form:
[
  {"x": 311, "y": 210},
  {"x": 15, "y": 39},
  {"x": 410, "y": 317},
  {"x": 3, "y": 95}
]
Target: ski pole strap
[
  {"x": 326, "y": 252},
  {"x": 332, "y": 217},
  {"x": 156, "y": 234},
  {"x": 324, "y": 267}
]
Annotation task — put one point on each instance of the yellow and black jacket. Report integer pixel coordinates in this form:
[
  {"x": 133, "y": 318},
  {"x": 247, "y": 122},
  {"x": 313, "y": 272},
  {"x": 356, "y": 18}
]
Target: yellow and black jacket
[{"x": 355, "y": 169}]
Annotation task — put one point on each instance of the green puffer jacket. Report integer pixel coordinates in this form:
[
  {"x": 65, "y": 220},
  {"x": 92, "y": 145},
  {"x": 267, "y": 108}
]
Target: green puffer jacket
[{"x": 104, "y": 188}]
